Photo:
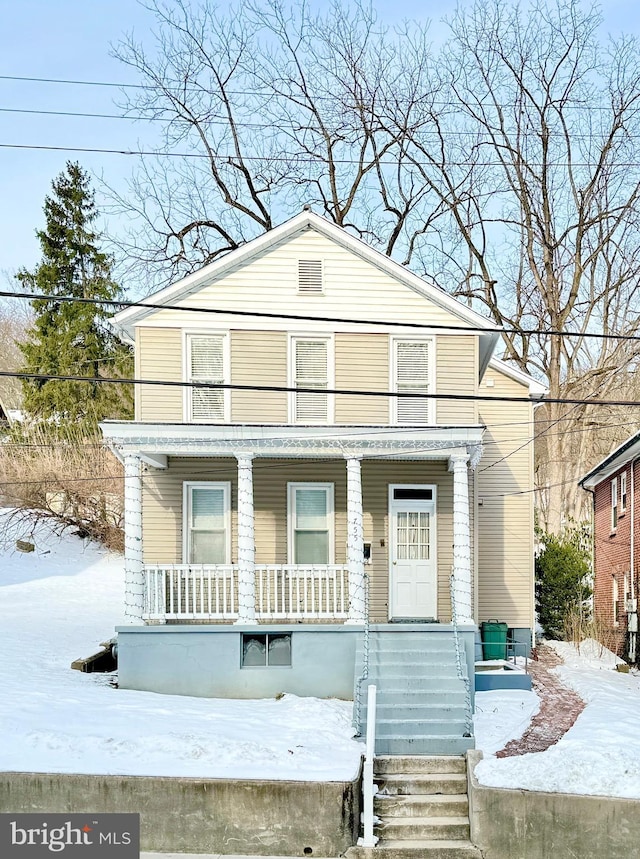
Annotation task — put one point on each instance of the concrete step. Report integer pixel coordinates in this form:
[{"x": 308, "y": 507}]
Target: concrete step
[
  {"x": 400, "y": 682},
  {"x": 421, "y": 805},
  {"x": 414, "y": 653},
  {"x": 433, "y": 711},
  {"x": 424, "y": 638},
  {"x": 423, "y": 828},
  {"x": 416, "y": 727},
  {"x": 432, "y": 849},
  {"x": 400, "y": 668},
  {"x": 402, "y": 784},
  {"x": 409, "y": 698},
  {"x": 420, "y": 764},
  {"x": 424, "y": 745}
]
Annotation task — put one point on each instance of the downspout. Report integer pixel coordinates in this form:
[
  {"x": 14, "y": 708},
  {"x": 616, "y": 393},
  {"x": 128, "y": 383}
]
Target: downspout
[{"x": 632, "y": 616}]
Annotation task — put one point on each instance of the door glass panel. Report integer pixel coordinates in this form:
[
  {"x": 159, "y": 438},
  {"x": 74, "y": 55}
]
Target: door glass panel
[{"x": 413, "y": 532}]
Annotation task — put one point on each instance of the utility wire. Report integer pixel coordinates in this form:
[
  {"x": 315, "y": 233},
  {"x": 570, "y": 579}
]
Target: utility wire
[
  {"x": 47, "y": 377},
  {"x": 215, "y": 119},
  {"x": 525, "y": 332},
  {"x": 233, "y": 158}
]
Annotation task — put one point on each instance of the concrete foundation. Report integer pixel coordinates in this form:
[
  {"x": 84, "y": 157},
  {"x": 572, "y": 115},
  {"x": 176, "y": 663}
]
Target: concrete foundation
[
  {"x": 205, "y": 661},
  {"x": 522, "y": 824},
  {"x": 181, "y": 815}
]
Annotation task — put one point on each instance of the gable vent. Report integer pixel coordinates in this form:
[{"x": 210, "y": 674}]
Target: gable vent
[{"x": 310, "y": 276}]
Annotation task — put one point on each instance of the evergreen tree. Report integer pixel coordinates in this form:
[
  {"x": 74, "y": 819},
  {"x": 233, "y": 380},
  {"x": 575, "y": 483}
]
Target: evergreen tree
[{"x": 69, "y": 338}]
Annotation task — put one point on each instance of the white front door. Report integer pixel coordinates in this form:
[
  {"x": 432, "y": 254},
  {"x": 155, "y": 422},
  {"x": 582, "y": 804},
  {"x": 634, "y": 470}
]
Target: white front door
[{"x": 412, "y": 552}]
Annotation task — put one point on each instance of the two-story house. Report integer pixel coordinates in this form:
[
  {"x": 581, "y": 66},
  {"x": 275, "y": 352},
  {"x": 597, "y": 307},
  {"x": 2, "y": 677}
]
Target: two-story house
[
  {"x": 615, "y": 486},
  {"x": 328, "y": 480}
]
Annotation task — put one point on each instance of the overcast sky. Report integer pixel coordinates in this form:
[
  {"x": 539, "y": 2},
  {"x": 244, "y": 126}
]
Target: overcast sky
[{"x": 70, "y": 39}]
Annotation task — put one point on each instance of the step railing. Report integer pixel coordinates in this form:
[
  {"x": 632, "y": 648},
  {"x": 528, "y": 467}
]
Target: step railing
[{"x": 368, "y": 785}]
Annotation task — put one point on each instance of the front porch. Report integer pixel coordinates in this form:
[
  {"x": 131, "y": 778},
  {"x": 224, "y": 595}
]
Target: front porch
[{"x": 396, "y": 529}]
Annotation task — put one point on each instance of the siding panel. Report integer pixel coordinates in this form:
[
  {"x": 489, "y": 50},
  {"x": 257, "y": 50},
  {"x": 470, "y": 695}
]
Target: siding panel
[
  {"x": 505, "y": 538},
  {"x": 362, "y": 362},
  {"x": 159, "y": 356},
  {"x": 259, "y": 358}
]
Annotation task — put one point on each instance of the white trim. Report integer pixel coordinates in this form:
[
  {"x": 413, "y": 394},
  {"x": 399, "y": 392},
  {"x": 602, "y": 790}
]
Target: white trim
[
  {"x": 391, "y": 535},
  {"x": 187, "y": 333},
  {"x": 536, "y": 389},
  {"x": 614, "y": 505},
  {"x": 292, "y": 338},
  {"x": 331, "y": 519},
  {"x": 187, "y": 486},
  {"x": 393, "y": 379}
]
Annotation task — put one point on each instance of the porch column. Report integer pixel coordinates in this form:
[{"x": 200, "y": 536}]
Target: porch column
[
  {"x": 355, "y": 542},
  {"x": 133, "y": 567},
  {"x": 246, "y": 542},
  {"x": 461, "y": 596}
]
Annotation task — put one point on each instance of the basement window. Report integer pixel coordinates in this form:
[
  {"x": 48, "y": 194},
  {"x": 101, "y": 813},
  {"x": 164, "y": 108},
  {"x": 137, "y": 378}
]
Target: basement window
[{"x": 266, "y": 649}]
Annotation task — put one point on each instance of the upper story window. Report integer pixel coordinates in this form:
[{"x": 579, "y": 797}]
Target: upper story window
[
  {"x": 623, "y": 491},
  {"x": 311, "y": 368},
  {"x": 310, "y": 280},
  {"x": 614, "y": 503},
  {"x": 207, "y": 523},
  {"x": 412, "y": 373},
  {"x": 311, "y": 523},
  {"x": 206, "y": 361}
]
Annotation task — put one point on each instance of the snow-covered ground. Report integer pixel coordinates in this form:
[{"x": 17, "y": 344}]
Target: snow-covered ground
[
  {"x": 599, "y": 755},
  {"x": 59, "y": 602}
]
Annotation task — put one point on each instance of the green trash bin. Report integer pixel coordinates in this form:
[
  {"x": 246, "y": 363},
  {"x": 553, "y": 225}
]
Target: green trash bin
[{"x": 494, "y": 639}]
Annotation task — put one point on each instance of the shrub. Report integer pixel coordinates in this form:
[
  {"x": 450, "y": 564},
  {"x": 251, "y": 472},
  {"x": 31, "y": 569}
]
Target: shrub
[
  {"x": 64, "y": 476},
  {"x": 563, "y": 571}
]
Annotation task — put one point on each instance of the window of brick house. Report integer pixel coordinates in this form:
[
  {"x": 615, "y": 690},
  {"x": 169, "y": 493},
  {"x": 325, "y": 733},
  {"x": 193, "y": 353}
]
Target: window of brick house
[{"x": 614, "y": 503}]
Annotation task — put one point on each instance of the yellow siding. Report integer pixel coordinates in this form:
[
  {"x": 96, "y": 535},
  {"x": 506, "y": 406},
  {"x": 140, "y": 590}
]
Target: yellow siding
[
  {"x": 159, "y": 356},
  {"x": 362, "y": 363},
  {"x": 353, "y": 287},
  {"x": 162, "y": 512},
  {"x": 505, "y": 518},
  {"x": 259, "y": 358},
  {"x": 456, "y": 373}
]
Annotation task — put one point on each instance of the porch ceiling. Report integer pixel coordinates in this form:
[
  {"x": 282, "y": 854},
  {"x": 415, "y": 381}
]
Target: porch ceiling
[{"x": 155, "y": 442}]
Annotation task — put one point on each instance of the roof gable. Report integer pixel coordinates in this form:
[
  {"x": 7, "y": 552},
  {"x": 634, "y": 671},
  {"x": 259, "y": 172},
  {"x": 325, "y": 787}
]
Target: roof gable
[{"x": 293, "y": 233}]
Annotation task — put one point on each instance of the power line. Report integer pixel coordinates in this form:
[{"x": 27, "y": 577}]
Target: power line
[
  {"x": 232, "y": 157},
  {"x": 244, "y": 92},
  {"x": 221, "y": 120},
  {"x": 525, "y": 332},
  {"x": 228, "y": 386}
]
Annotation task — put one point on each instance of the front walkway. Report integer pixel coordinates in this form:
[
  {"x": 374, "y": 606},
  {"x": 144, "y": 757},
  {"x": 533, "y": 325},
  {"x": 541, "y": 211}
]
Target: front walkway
[{"x": 559, "y": 707}]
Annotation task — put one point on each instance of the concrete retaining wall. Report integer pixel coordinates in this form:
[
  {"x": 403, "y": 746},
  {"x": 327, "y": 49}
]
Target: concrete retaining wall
[
  {"x": 522, "y": 824},
  {"x": 184, "y": 815}
]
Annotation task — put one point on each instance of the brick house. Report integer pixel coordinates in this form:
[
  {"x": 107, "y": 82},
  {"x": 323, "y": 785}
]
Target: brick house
[{"x": 615, "y": 486}]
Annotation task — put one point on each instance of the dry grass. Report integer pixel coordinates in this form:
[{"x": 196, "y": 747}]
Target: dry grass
[
  {"x": 579, "y": 625},
  {"x": 72, "y": 480}
]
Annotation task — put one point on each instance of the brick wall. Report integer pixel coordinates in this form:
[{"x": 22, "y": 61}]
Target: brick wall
[{"x": 613, "y": 554}]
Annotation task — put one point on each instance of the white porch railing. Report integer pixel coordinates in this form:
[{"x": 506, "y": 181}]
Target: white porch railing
[{"x": 210, "y": 592}]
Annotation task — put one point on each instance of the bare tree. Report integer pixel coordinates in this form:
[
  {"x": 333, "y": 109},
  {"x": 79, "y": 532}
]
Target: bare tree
[
  {"x": 274, "y": 108},
  {"x": 546, "y": 202},
  {"x": 504, "y": 167}
]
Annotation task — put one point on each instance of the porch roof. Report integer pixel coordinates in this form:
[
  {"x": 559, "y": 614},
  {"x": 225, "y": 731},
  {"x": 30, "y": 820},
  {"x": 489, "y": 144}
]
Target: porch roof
[{"x": 155, "y": 442}]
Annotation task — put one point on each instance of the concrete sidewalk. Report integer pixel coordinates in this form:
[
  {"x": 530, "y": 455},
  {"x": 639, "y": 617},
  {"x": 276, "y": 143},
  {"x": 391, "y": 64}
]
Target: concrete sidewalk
[{"x": 212, "y": 856}]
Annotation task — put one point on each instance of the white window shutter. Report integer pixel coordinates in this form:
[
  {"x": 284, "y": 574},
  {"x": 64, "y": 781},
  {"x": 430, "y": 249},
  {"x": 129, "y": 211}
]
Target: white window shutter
[
  {"x": 310, "y": 276},
  {"x": 412, "y": 377},
  {"x": 311, "y": 367},
  {"x": 206, "y": 356}
]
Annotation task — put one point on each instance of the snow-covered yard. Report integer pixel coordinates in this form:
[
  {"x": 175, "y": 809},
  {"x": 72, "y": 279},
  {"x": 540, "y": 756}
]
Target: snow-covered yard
[{"x": 59, "y": 602}]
